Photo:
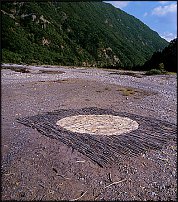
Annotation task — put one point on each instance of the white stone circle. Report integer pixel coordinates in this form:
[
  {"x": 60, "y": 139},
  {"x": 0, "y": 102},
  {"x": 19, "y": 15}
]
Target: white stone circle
[{"x": 98, "y": 124}]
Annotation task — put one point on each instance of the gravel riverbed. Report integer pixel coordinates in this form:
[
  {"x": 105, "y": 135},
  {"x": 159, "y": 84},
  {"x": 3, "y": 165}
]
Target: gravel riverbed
[{"x": 36, "y": 167}]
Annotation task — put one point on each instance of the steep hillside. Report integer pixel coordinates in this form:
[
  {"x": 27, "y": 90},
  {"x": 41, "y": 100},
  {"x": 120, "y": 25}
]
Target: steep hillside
[
  {"x": 167, "y": 58},
  {"x": 75, "y": 33}
]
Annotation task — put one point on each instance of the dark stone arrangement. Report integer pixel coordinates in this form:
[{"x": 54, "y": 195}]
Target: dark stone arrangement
[{"x": 105, "y": 150}]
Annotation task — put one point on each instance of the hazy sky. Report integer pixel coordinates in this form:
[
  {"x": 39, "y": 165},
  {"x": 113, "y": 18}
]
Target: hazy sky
[{"x": 160, "y": 16}]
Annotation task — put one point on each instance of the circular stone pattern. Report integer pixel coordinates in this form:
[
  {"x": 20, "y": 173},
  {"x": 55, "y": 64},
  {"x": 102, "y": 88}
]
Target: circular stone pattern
[{"x": 98, "y": 124}]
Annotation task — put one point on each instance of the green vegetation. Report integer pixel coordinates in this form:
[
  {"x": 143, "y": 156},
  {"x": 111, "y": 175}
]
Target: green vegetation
[
  {"x": 153, "y": 72},
  {"x": 75, "y": 33},
  {"x": 163, "y": 61},
  {"x": 159, "y": 70}
]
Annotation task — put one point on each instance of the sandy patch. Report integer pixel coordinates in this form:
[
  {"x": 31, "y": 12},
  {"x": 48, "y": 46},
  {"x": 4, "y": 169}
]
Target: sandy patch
[{"x": 98, "y": 124}]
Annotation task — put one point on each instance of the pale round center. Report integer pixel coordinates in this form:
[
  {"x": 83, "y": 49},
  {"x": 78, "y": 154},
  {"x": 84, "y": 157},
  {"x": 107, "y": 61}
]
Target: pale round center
[{"x": 98, "y": 124}]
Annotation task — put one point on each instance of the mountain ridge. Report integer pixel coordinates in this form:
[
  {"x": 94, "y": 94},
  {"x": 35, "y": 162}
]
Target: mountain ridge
[{"x": 75, "y": 33}]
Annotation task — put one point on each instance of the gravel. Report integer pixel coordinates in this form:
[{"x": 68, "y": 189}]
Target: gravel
[
  {"x": 164, "y": 86},
  {"x": 35, "y": 167}
]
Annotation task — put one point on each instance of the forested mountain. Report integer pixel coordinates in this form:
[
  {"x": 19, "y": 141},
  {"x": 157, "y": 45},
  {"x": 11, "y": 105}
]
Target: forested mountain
[
  {"x": 75, "y": 33},
  {"x": 167, "y": 58}
]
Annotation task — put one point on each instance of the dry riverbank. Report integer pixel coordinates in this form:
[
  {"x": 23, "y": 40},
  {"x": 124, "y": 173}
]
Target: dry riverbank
[{"x": 36, "y": 167}]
